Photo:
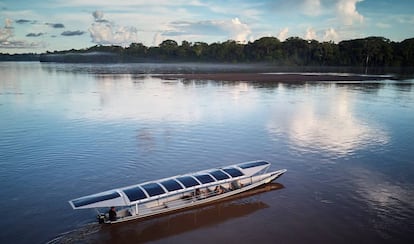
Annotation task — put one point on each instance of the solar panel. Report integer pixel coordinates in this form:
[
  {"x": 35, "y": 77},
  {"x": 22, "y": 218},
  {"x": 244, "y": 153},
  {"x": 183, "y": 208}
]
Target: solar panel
[
  {"x": 253, "y": 164},
  {"x": 171, "y": 185},
  {"x": 153, "y": 189},
  {"x": 188, "y": 181},
  {"x": 135, "y": 194},
  {"x": 93, "y": 199},
  {"x": 219, "y": 175},
  {"x": 233, "y": 172},
  {"x": 204, "y": 178}
]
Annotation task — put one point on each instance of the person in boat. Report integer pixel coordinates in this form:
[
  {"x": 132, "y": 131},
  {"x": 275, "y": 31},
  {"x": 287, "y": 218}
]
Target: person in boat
[
  {"x": 234, "y": 185},
  {"x": 197, "y": 192},
  {"x": 207, "y": 192},
  {"x": 219, "y": 190},
  {"x": 112, "y": 214}
]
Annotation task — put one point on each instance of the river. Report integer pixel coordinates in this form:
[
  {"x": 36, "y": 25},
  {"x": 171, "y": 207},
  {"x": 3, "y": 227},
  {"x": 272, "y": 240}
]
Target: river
[{"x": 71, "y": 130}]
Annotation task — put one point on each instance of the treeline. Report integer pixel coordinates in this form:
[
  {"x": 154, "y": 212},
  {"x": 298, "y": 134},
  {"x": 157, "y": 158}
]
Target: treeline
[
  {"x": 366, "y": 52},
  {"x": 19, "y": 57}
]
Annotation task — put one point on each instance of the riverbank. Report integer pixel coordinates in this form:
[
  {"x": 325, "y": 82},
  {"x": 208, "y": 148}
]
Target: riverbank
[{"x": 276, "y": 77}]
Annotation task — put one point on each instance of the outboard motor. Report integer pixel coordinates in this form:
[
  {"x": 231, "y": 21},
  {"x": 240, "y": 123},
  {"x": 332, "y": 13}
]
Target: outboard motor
[{"x": 101, "y": 218}]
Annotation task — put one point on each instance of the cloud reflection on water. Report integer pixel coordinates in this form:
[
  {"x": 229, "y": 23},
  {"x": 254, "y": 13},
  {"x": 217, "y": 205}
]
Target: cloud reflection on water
[
  {"x": 152, "y": 99},
  {"x": 125, "y": 97},
  {"x": 329, "y": 124},
  {"x": 390, "y": 202}
]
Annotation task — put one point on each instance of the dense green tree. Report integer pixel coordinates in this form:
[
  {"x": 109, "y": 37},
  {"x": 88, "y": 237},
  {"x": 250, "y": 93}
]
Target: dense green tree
[
  {"x": 265, "y": 49},
  {"x": 185, "y": 51},
  {"x": 365, "y": 52},
  {"x": 200, "y": 49},
  {"x": 406, "y": 49},
  {"x": 137, "y": 50},
  {"x": 330, "y": 53},
  {"x": 296, "y": 51},
  {"x": 168, "y": 49}
]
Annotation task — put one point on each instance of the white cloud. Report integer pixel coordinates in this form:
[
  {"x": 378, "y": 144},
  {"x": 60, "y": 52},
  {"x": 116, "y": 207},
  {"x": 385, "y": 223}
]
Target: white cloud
[
  {"x": 347, "y": 12},
  {"x": 331, "y": 35},
  {"x": 7, "y": 31},
  {"x": 8, "y": 23},
  {"x": 105, "y": 32},
  {"x": 238, "y": 30},
  {"x": 98, "y": 15},
  {"x": 312, "y": 7},
  {"x": 8, "y": 42},
  {"x": 383, "y": 25},
  {"x": 158, "y": 38},
  {"x": 283, "y": 34},
  {"x": 310, "y": 34},
  {"x": 232, "y": 29}
]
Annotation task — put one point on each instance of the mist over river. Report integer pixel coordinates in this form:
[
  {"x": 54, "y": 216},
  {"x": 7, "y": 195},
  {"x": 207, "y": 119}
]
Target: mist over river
[{"x": 69, "y": 130}]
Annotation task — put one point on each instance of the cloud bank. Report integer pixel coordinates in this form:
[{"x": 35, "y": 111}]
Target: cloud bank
[
  {"x": 312, "y": 7},
  {"x": 73, "y": 33},
  {"x": 233, "y": 29},
  {"x": 347, "y": 12},
  {"x": 206, "y": 21},
  {"x": 7, "y": 41},
  {"x": 283, "y": 34},
  {"x": 34, "y": 34},
  {"x": 56, "y": 25},
  {"x": 107, "y": 33}
]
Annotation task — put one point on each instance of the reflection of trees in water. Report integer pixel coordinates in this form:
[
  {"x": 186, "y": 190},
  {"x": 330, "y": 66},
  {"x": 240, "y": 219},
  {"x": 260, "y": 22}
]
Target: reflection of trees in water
[
  {"x": 190, "y": 82},
  {"x": 170, "y": 225}
]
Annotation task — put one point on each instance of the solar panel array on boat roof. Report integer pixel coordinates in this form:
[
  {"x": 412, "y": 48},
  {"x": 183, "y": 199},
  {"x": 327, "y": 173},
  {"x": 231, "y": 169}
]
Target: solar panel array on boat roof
[
  {"x": 94, "y": 199},
  {"x": 153, "y": 189},
  {"x": 218, "y": 174},
  {"x": 188, "y": 181},
  {"x": 171, "y": 185},
  {"x": 204, "y": 178},
  {"x": 233, "y": 172},
  {"x": 252, "y": 164},
  {"x": 135, "y": 193}
]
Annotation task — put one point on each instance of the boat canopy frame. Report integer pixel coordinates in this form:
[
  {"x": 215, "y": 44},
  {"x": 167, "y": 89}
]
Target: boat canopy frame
[{"x": 153, "y": 190}]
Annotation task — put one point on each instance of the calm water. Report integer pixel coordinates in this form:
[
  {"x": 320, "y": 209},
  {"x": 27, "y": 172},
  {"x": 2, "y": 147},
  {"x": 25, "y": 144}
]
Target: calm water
[{"x": 72, "y": 130}]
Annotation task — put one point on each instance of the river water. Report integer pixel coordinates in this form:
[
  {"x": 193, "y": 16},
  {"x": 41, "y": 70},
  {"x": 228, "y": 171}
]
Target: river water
[{"x": 71, "y": 130}]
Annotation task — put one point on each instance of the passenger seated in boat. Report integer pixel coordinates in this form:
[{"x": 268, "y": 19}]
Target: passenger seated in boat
[
  {"x": 196, "y": 193},
  {"x": 112, "y": 214},
  {"x": 234, "y": 185},
  {"x": 207, "y": 192},
  {"x": 219, "y": 190}
]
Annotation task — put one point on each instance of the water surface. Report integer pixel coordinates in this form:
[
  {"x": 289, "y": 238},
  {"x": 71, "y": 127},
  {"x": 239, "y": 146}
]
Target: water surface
[{"x": 72, "y": 130}]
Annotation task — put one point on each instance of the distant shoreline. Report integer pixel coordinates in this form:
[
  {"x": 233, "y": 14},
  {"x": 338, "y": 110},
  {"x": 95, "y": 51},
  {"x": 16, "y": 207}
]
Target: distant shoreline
[{"x": 274, "y": 77}]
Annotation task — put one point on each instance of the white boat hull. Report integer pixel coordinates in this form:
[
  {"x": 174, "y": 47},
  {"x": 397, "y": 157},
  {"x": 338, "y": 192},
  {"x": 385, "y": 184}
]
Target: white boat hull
[{"x": 168, "y": 207}]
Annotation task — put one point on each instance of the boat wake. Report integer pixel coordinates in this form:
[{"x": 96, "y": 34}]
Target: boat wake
[{"x": 77, "y": 235}]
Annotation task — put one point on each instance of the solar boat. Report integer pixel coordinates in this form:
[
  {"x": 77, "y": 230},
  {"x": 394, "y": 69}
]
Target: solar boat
[{"x": 179, "y": 192}]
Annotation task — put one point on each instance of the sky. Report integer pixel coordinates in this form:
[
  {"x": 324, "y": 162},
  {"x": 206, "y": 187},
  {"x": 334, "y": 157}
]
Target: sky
[{"x": 28, "y": 26}]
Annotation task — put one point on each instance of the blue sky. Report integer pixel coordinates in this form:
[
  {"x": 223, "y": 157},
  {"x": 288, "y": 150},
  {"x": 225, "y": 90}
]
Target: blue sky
[{"x": 49, "y": 25}]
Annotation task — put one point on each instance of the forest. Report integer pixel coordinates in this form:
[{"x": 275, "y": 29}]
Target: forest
[{"x": 294, "y": 51}]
